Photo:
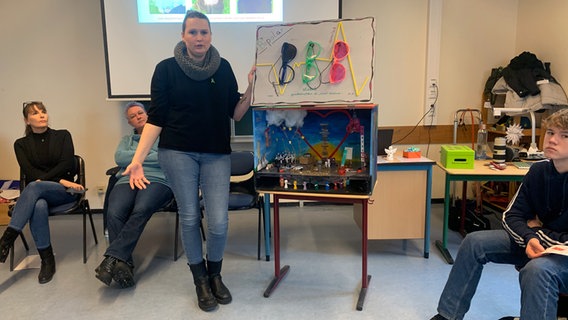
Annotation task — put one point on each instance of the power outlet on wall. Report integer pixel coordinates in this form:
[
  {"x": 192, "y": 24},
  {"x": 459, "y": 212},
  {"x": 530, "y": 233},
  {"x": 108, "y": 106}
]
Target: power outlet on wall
[
  {"x": 432, "y": 89},
  {"x": 431, "y": 99}
]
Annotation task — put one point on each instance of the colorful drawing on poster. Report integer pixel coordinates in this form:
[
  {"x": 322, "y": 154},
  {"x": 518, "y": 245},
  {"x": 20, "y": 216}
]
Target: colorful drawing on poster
[{"x": 315, "y": 62}]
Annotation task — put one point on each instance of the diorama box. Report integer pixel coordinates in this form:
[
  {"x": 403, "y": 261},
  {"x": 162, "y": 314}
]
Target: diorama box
[{"x": 317, "y": 149}]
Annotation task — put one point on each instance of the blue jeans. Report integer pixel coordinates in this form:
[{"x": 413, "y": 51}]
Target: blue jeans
[
  {"x": 128, "y": 212},
  {"x": 187, "y": 172},
  {"x": 33, "y": 205},
  {"x": 540, "y": 279}
]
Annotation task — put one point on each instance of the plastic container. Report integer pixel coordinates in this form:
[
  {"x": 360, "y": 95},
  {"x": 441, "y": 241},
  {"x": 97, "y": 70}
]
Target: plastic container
[{"x": 481, "y": 145}]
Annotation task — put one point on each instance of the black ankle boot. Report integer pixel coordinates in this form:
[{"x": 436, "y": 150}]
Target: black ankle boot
[
  {"x": 218, "y": 288},
  {"x": 105, "y": 270},
  {"x": 47, "y": 269},
  {"x": 123, "y": 274},
  {"x": 205, "y": 298},
  {"x": 6, "y": 242}
]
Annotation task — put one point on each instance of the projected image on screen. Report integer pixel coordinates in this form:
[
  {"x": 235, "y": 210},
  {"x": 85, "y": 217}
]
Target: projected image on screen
[
  {"x": 157, "y": 7},
  {"x": 132, "y": 48},
  {"x": 171, "y": 11},
  {"x": 212, "y": 6}
]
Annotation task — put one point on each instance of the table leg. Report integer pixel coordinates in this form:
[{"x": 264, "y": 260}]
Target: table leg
[
  {"x": 267, "y": 226},
  {"x": 442, "y": 246},
  {"x": 463, "y": 209},
  {"x": 279, "y": 274},
  {"x": 427, "y": 213},
  {"x": 365, "y": 279}
]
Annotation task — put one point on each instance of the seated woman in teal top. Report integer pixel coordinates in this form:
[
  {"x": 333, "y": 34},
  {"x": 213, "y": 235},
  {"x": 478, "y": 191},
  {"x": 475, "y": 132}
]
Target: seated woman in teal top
[{"x": 130, "y": 209}]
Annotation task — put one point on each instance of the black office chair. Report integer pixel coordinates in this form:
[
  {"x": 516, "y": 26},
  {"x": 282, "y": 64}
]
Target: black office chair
[
  {"x": 562, "y": 305},
  {"x": 81, "y": 204},
  {"x": 170, "y": 207},
  {"x": 242, "y": 194}
]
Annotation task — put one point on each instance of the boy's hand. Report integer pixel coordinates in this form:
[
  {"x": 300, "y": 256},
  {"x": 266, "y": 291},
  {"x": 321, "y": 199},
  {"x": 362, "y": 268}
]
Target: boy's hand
[{"x": 534, "y": 248}]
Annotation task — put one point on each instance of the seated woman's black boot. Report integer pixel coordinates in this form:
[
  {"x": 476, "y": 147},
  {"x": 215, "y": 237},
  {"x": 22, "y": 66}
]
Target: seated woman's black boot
[
  {"x": 47, "y": 269},
  {"x": 6, "y": 242},
  {"x": 205, "y": 298},
  {"x": 218, "y": 288}
]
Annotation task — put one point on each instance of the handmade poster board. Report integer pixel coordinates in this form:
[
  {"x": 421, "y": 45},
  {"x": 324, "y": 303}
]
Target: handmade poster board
[{"x": 319, "y": 62}]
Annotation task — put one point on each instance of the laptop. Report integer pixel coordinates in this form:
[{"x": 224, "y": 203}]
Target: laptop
[{"x": 384, "y": 140}]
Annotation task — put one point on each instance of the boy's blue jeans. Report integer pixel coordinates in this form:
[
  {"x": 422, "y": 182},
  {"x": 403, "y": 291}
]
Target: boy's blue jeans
[{"x": 541, "y": 279}]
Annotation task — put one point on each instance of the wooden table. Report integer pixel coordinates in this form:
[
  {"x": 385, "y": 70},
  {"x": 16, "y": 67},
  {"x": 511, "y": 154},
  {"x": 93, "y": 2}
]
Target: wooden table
[
  {"x": 480, "y": 172},
  {"x": 400, "y": 205}
]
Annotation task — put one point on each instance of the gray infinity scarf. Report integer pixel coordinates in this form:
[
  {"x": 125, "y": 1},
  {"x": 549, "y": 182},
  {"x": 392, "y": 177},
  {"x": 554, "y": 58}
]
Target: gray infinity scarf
[{"x": 194, "y": 70}]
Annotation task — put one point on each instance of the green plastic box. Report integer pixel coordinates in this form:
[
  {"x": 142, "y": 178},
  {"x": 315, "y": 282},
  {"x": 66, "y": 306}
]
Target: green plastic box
[{"x": 457, "y": 157}]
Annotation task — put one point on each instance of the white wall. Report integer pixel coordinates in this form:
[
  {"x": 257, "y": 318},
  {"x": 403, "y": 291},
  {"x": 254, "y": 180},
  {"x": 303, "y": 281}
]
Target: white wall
[
  {"x": 53, "y": 51},
  {"x": 476, "y": 36},
  {"x": 542, "y": 29},
  {"x": 400, "y": 64}
]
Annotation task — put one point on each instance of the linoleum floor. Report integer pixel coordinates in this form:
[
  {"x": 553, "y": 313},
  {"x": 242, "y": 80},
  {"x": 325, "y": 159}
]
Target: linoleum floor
[{"x": 321, "y": 243}]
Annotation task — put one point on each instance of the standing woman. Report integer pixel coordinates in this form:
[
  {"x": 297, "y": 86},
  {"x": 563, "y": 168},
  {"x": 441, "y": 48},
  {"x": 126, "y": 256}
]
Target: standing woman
[
  {"x": 194, "y": 96},
  {"x": 46, "y": 157}
]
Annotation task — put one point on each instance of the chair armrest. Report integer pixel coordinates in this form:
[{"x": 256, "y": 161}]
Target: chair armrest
[{"x": 112, "y": 171}]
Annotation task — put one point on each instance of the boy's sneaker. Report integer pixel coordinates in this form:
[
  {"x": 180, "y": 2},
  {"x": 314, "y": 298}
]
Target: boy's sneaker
[{"x": 123, "y": 274}]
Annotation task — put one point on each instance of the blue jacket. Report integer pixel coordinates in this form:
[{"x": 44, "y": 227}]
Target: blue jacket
[{"x": 543, "y": 193}]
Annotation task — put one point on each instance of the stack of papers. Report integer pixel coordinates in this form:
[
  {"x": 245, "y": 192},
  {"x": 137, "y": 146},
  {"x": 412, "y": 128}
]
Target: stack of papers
[
  {"x": 558, "y": 249},
  {"x": 10, "y": 194}
]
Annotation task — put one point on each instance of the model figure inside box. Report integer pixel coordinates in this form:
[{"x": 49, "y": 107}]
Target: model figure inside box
[{"x": 315, "y": 149}]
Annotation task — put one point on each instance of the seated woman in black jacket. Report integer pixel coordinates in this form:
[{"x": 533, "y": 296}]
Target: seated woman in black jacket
[{"x": 46, "y": 157}]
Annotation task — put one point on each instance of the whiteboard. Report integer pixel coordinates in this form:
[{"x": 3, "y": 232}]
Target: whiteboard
[{"x": 314, "y": 74}]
